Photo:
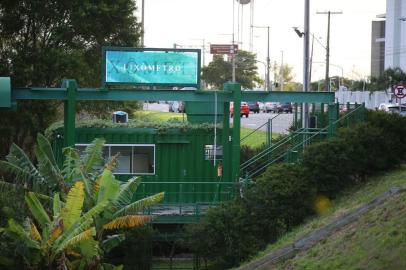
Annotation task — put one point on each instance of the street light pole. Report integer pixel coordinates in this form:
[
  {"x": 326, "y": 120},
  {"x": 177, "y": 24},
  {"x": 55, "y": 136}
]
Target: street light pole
[
  {"x": 306, "y": 40},
  {"x": 268, "y": 64},
  {"x": 268, "y": 60}
]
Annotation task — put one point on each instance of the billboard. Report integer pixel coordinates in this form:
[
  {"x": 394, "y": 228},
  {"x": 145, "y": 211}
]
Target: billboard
[{"x": 151, "y": 66}]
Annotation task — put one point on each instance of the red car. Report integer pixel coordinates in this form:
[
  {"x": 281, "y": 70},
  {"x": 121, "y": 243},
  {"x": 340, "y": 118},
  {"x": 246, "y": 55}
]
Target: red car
[{"x": 244, "y": 108}]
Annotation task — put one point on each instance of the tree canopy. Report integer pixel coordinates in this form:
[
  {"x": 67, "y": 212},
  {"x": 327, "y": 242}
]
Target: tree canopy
[
  {"x": 44, "y": 42},
  {"x": 219, "y": 71}
]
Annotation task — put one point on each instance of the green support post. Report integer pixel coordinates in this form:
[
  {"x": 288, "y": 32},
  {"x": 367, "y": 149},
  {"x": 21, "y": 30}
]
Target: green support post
[
  {"x": 332, "y": 118},
  {"x": 5, "y": 92},
  {"x": 69, "y": 112},
  {"x": 235, "y": 151}
]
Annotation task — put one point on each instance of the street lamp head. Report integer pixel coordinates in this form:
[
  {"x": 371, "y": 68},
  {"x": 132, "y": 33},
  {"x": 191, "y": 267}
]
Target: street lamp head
[
  {"x": 298, "y": 32},
  {"x": 403, "y": 19}
]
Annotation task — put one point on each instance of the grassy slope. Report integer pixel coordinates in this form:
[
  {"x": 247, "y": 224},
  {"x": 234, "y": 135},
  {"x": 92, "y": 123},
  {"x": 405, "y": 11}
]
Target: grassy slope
[
  {"x": 376, "y": 241},
  {"x": 254, "y": 140}
]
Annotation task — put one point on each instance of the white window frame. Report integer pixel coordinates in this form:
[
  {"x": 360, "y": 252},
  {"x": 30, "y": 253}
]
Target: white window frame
[{"x": 132, "y": 154}]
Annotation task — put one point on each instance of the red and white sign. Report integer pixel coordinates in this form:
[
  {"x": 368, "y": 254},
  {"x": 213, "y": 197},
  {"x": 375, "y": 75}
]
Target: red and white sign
[
  {"x": 399, "y": 91},
  {"x": 223, "y": 48}
]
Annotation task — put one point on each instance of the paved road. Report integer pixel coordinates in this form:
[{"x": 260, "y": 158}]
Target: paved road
[{"x": 280, "y": 124}]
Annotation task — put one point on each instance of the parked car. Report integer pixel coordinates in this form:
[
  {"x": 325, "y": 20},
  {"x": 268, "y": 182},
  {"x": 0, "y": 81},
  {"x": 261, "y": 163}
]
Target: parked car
[
  {"x": 177, "y": 106},
  {"x": 254, "y": 106},
  {"x": 244, "y": 109},
  {"x": 285, "y": 107},
  {"x": 393, "y": 108},
  {"x": 271, "y": 107}
]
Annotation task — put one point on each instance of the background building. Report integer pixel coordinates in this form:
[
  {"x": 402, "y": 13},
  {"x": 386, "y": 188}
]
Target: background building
[
  {"x": 388, "y": 38},
  {"x": 395, "y": 34},
  {"x": 378, "y": 48}
]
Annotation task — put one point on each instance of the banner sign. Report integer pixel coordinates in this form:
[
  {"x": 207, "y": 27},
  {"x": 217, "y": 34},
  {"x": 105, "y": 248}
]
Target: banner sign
[
  {"x": 223, "y": 48},
  {"x": 146, "y": 66}
]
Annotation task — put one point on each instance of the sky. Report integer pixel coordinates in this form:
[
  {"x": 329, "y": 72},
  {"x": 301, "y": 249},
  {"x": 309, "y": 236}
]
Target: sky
[{"x": 190, "y": 23}]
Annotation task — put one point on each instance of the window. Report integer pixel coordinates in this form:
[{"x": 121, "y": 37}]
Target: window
[
  {"x": 132, "y": 158},
  {"x": 210, "y": 152}
]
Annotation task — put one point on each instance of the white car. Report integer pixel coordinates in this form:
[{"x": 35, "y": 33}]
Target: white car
[
  {"x": 271, "y": 107},
  {"x": 393, "y": 108}
]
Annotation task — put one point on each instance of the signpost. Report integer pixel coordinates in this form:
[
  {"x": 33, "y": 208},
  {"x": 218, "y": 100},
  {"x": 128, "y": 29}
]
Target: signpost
[
  {"x": 399, "y": 91},
  {"x": 223, "y": 49}
]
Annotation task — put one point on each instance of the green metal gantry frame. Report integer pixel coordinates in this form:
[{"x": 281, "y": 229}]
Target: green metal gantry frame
[{"x": 70, "y": 94}]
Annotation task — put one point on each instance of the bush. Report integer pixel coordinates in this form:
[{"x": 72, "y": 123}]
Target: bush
[
  {"x": 280, "y": 199},
  {"x": 329, "y": 165},
  {"x": 225, "y": 235},
  {"x": 136, "y": 250},
  {"x": 284, "y": 195}
]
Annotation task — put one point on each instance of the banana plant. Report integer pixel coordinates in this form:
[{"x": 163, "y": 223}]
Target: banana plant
[
  {"x": 99, "y": 187},
  {"x": 57, "y": 241}
]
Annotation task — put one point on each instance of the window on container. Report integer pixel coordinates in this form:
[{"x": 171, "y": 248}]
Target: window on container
[
  {"x": 123, "y": 159},
  {"x": 143, "y": 159},
  {"x": 132, "y": 158},
  {"x": 210, "y": 152}
]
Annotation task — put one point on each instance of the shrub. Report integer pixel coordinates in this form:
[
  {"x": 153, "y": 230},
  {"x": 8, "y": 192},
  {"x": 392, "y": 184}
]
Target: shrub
[
  {"x": 329, "y": 166},
  {"x": 280, "y": 199},
  {"x": 225, "y": 235}
]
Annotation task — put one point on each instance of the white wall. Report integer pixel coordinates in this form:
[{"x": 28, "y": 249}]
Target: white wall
[
  {"x": 395, "y": 40},
  {"x": 371, "y": 99}
]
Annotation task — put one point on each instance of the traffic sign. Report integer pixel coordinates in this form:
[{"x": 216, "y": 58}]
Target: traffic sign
[
  {"x": 223, "y": 48},
  {"x": 399, "y": 91}
]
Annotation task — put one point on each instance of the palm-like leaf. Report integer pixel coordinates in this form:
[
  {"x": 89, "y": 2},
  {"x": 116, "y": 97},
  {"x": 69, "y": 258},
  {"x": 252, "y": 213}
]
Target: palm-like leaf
[
  {"x": 81, "y": 225},
  {"x": 35, "y": 233},
  {"x": 125, "y": 222},
  {"x": 73, "y": 207},
  {"x": 6, "y": 188},
  {"x": 112, "y": 241},
  {"x": 109, "y": 186},
  {"x": 46, "y": 149},
  {"x": 27, "y": 171},
  {"x": 37, "y": 210},
  {"x": 17, "y": 232},
  {"x": 83, "y": 236},
  {"x": 136, "y": 207},
  {"x": 56, "y": 205},
  {"x": 71, "y": 164},
  {"x": 127, "y": 191},
  {"x": 93, "y": 156},
  {"x": 21, "y": 175}
]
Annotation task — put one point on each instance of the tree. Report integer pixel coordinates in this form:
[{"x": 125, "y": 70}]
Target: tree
[
  {"x": 99, "y": 187},
  {"x": 42, "y": 44},
  {"x": 219, "y": 71},
  {"x": 287, "y": 74}
]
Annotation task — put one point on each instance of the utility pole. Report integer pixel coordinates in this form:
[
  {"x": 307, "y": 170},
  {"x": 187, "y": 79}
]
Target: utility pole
[
  {"x": 281, "y": 71},
  {"x": 233, "y": 54},
  {"x": 327, "y": 84},
  {"x": 142, "y": 23}
]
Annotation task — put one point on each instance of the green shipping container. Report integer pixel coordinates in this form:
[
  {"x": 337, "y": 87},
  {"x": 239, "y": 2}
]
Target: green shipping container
[{"x": 178, "y": 161}]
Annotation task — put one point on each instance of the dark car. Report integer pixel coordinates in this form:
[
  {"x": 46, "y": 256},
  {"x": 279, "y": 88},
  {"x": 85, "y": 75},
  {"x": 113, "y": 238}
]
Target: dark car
[
  {"x": 285, "y": 107},
  {"x": 254, "y": 107}
]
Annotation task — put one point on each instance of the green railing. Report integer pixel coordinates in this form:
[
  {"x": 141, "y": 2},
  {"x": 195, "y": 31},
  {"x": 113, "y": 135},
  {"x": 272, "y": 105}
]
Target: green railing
[
  {"x": 290, "y": 148},
  {"x": 185, "y": 202}
]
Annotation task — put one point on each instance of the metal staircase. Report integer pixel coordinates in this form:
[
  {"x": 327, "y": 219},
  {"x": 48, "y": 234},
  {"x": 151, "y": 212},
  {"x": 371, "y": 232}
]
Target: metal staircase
[{"x": 291, "y": 147}]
